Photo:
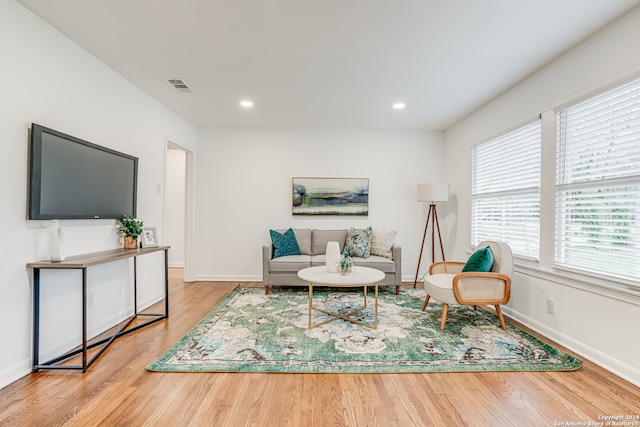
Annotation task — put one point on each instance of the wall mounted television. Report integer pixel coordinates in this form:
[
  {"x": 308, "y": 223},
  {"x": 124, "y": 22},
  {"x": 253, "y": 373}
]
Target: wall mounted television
[{"x": 70, "y": 178}]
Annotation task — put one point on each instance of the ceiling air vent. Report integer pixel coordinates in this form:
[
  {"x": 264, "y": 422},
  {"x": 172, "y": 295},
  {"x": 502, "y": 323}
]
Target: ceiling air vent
[{"x": 179, "y": 85}]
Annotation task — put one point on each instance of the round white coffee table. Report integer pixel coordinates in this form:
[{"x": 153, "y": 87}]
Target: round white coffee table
[{"x": 360, "y": 276}]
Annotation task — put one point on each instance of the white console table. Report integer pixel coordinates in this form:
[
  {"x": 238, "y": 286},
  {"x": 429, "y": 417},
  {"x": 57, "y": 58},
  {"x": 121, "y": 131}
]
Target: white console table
[{"x": 82, "y": 262}]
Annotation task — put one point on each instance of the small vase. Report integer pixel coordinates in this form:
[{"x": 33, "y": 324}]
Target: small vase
[
  {"x": 130, "y": 242},
  {"x": 56, "y": 242},
  {"x": 332, "y": 256},
  {"x": 346, "y": 264}
]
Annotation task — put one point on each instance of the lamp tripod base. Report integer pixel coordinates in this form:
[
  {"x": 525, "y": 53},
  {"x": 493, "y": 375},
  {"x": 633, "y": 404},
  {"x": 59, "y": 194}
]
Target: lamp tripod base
[{"x": 436, "y": 225}]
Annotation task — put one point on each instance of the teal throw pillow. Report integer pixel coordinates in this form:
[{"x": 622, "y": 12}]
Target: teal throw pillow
[
  {"x": 481, "y": 260},
  {"x": 359, "y": 242},
  {"x": 284, "y": 244}
]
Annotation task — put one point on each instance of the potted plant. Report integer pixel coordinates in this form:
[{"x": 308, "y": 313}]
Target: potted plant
[{"x": 130, "y": 228}]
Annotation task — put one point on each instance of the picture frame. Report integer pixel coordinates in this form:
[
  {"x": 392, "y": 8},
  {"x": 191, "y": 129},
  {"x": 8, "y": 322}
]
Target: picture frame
[
  {"x": 149, "y": 237},
  {"x": 330, "y": 196}
]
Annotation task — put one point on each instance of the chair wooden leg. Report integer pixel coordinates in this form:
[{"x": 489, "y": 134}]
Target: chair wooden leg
[
  {"x": 397, "y": 290},
  {"x": 500, "y": 317},
  {"x": 426, "y": 301},
  {"x": 266, "y": 290},
  {"x": 444, "y": 316}
]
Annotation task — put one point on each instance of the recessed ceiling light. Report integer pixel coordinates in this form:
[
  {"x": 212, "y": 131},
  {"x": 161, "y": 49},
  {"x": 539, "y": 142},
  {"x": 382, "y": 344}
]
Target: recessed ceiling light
[
  {"x": 246, "y": 104},
  {"x": 398, "y": 105}
]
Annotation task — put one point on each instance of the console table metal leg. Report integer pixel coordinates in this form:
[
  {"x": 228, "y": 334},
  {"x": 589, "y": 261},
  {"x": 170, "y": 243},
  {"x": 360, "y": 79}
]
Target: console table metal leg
[
  {"x": 36, "y": 320},
  {"x": 84, "y": 320},
  {"x": 135, "y": 286}
]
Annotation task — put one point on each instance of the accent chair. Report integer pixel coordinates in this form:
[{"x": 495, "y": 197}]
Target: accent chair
[{"x": 449, "y": 284}]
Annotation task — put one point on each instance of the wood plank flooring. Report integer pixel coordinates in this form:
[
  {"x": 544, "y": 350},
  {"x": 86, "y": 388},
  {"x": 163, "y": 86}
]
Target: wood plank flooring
[{"x": 118, "y": 391}]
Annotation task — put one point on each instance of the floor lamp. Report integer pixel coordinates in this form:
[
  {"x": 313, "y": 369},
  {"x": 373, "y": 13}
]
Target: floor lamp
[{"x": 431, "y": 193}]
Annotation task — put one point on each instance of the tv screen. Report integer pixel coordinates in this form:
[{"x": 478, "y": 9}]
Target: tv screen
[{"x": 74, "y": 179}]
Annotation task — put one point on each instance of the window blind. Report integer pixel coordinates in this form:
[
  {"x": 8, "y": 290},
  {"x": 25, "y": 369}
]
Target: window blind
[
  {"x": 598, "y": 184},
  {"x": 505, "y": 190}
]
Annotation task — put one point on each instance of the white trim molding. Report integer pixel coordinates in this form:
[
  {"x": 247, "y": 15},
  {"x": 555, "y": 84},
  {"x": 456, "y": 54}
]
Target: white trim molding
[
  {"x": 621, "y": 292},
  {"x": 623, "y": 370}
]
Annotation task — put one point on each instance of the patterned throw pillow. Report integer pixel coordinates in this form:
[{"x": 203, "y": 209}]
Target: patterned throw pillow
[
  {"x": 284, "y": 244},
  {"x": 382, "y": 241},
  {"x": 358, "y": 242},
  {"x": 481, "y": 260}
]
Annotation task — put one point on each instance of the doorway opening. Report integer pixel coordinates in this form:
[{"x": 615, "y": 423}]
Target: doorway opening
[{"x": 179, "y": 211}]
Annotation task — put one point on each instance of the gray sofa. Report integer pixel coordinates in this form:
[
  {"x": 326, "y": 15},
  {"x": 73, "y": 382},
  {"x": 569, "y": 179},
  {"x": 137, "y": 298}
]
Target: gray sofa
[{"x": 283, "y": 271}]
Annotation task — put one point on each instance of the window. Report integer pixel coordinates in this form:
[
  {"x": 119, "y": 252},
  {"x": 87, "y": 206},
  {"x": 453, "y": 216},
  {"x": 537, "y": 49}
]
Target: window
[
  {"x": 597, "y": 213},
  {"x": 505, "y": 190}
]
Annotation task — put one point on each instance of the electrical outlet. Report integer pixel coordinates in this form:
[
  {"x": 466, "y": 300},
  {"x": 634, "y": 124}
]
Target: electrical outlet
[
  {"x": 550, "y": 306},
  {"x": 91, "y": 300}
]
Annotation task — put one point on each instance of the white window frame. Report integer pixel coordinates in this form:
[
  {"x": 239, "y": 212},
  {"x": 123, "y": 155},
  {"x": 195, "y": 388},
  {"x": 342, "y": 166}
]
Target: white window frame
[
  {"x": 505, "y": 190},
  {"x": 595, "y": 246}
]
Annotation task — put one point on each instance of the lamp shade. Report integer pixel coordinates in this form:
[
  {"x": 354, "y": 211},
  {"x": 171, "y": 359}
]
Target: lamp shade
[{"x": 433, "y": 192}]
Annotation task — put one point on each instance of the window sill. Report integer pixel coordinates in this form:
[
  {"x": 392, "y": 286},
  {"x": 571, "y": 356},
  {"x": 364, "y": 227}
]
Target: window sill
[{"x": 608, "y": 288}]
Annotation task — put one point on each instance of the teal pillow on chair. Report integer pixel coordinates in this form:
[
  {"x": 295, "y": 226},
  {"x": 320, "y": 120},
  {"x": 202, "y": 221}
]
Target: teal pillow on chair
[
  {"x": 284, "y": 244},
  {"x": 481, "y": 260}
]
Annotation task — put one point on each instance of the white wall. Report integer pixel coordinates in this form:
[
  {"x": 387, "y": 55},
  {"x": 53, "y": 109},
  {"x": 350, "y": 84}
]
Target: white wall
[
  {"x": 600, "y": 327},
  {"x": 175, "y": 193},
  {"x": 52, "y": 81},
  {"x": 244, "y": 189}
]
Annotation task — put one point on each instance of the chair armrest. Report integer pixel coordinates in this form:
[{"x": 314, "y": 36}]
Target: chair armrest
[
  {"x": 446, "y": 267},
  {"x": 476, "y": 288},
  {"x": 267, "y": 254}
]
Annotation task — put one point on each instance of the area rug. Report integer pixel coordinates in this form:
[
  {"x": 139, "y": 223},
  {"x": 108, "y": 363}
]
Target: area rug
[{"x": 253, "y": 332}]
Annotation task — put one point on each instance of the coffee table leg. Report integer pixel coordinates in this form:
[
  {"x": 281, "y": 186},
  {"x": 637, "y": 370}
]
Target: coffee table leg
[
  {"x": 310, "y": 302},
  {"x": 345, "y": 316},
  {"x": 375, "y": 318},
  {"x": 365, "y": 296}
]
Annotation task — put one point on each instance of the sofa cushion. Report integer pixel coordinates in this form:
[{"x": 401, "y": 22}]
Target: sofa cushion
[
  {"x": 382, "y": 242},
  {"x": 358, "y": 242},
  {"x": 318, "y": 260},
  {"x": 481, "y": 260},
  {"x": 303, "y": 235},
  {"x": 379, "y": 263},
  {"x": 284, "y": 243},
  {"x": 320, "y": 238},
  {"x": 289, "y": 263}
]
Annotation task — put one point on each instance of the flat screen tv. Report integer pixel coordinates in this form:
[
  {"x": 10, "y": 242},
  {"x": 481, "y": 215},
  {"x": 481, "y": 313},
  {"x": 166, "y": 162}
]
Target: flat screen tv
[{"x": 74, "y": 179}]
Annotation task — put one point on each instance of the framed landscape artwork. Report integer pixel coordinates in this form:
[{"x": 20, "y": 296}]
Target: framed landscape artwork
[{"x": 330, "y": 196}]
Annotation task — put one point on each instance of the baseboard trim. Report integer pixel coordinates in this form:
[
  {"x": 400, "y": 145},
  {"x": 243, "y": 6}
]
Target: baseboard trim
[
  {"x": 19, "y": 370},
  {"x": 227, "y": 278},
  {"x": 603, "y": 360},
  {"x": 14, "y": 373}
]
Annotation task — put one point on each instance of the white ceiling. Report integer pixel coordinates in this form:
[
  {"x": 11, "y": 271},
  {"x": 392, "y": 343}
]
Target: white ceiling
[{"x": 328, "y": 63}]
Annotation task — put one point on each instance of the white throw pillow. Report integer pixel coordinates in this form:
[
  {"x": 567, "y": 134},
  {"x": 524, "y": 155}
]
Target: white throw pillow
[{"x": 382, "y": 241}]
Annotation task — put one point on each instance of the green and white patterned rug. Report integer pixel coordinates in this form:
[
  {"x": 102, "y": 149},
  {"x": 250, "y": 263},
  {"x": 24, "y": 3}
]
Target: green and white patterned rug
[{"x": 252, "y": 332}]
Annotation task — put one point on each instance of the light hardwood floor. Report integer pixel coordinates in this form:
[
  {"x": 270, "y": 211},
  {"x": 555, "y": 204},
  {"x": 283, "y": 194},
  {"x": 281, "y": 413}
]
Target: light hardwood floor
[{"x": 118, "y": 391}]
